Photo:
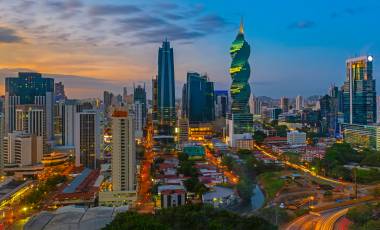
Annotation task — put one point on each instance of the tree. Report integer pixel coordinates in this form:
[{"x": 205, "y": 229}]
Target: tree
[
  {"x": 360, "y": 214},
  {"x": 200, "y": 217},
  {"x": 259, "y": 136},
  {"x": 245, "y": 189}
]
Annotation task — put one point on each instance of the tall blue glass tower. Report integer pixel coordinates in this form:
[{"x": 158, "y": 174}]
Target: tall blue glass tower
[{"x": 166, "y": 111}]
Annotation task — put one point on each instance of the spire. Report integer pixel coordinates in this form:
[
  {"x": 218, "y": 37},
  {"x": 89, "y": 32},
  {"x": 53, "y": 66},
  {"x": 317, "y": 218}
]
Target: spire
[{"x": 241, "y": 29}]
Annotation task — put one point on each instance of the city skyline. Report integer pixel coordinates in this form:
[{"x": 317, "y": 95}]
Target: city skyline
[{"x": 302, "y": 38}]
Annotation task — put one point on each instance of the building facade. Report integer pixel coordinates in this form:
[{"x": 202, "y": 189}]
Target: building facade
[
  {"x": 359, "y": 92},
  {"x": 22, "y": 149},
  {"x": 284, "y": 104},
  {"x": 29, "y": 89},
  {"x": 87, "y": 138},
  {"x": 299, "y": 102},
  {"x": 362, "y": 136},
  {"x": 166, "y": 109},
  {"x": 221, "y": 103},
  {"x": 240, "y": 122},
  {"x": 198, "y": 99},
  {"x": 123, "y": 152}
]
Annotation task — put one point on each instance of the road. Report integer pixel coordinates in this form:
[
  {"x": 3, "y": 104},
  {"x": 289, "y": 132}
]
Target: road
[
  {"x": 231, "y": 176},
  {"x": 318, "y": 221},
  {"x": 144, "y": 196}
]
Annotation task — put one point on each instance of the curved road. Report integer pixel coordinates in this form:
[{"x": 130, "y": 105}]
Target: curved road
[{"x": 318, "y": 221}]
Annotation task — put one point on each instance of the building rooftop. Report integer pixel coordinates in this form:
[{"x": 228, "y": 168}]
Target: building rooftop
[{"x": 74, "y": 218}]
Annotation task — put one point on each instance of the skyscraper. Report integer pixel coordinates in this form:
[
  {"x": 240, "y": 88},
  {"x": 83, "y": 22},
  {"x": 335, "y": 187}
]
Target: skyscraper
[
  {"x": 87, "y": 138},
  {"x": 166, "y": 110},
  {"x": 241, "y": 120},
  {"x": 255, "y": 105},
  {"x": 107, "y": 98},
  {"x": 299, "y": 102},
  {"x": 29, "y": 89},
  {"x": 359, "y": 92},
  {"x": 198, "y": 99},
  {"x": 221, "y": 103},
  {"x": 123, "y": 152},
  {"x": 284, "y": 104},
  {"x": 59, "y": 92},
  {"x": 139, "y": 95}
]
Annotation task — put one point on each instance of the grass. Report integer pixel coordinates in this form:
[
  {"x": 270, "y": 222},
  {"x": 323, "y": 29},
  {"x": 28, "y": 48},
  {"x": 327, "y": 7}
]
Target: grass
[{"x": 271, "y": 182}]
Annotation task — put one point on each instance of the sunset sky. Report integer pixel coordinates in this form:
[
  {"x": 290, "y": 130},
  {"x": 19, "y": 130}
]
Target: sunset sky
[{"x": 298, "y": 46}]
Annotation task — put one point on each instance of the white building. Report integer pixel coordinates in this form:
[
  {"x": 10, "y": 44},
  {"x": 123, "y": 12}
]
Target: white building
[
  {"x": 255, "y": 105},
  {"x": 296, "y": 138},
  {"x": 87, "y": 138},
  {"x": 123, "y": 152},
  {"x": 22, "y": 149},
  {"x": 299, "y": 102},
  {"x": 68, "y": 123}
]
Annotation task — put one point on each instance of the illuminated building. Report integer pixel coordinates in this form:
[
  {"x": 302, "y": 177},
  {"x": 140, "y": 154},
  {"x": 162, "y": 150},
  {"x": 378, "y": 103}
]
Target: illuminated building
[
  {"x": 198, "y": 99},
  {"x": 183, "y": 130},
  {"x": 29, "y": 89},
  {"x": 359, "y": 92},
  {"x": 363, "y": 136},
  {"x": 87, "y": 138},
  {"x": 1, "y": 142},
  {"x": 240, "y": 121},
  {"x": 123, "y": 152},
  {"x": 200, "y": 132},
  {"x": 166, "y": 110}
]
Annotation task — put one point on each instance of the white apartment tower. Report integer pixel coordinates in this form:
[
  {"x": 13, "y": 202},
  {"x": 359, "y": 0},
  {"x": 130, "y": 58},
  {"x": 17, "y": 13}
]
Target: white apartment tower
[{"x": 123, "y": 152}]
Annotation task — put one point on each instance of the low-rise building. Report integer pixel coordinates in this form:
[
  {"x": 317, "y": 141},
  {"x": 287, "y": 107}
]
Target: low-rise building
[
  {"x": 362, "y": 136},
  {"x": 296, "y": 138},
  {"x": 172, "y": 195}
]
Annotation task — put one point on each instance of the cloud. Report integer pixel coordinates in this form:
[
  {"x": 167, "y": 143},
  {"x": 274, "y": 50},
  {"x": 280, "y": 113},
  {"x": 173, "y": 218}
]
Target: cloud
[
  {"x": 173, "y": 16},
  {"x": 8, "y": 35},
  {"x": 303, "y": 24},
  {"x": 210, "y": 23},
  {"x": 65, "y": 5},
  {"x": 348, "y": 12},
  {"x": 113, "y": 10},
  {"x": 141, "y": 22},
  {"x": 172, "y": 33},
  {"x": 166, "y": 6}
]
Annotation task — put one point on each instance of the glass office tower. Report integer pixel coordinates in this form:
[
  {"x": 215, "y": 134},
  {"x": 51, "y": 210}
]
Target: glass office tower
[
  {"x": 198, "y": 99},
  {"x": 166, "y": 111},
  {"x": 359, "y": 92}
]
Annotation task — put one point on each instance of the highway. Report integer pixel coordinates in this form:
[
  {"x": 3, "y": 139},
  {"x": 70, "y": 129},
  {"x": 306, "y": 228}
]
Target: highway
[{"x": 318, "y": 221}]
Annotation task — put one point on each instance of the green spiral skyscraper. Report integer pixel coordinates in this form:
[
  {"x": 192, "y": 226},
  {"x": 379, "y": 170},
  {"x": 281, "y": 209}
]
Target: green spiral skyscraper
[{"x": 240, "y": 89}]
